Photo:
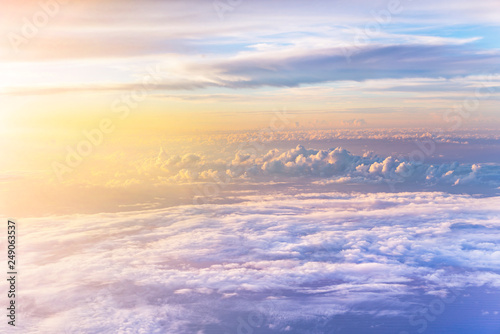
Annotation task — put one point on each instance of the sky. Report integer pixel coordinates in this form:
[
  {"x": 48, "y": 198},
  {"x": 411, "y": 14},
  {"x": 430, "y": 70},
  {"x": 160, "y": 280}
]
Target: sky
[
  {"x": 249, "y": 166},
  {"x": 156, "y": 71}
]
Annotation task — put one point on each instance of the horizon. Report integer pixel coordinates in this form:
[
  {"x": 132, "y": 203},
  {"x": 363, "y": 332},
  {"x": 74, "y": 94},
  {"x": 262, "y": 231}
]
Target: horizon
[{"x": 237, "y": 166}]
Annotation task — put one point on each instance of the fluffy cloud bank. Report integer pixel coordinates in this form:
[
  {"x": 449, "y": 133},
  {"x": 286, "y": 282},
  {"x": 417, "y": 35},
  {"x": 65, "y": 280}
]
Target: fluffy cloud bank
[
  {"x": 320, "y": 167},
  {"x": 265, "y": 265}
]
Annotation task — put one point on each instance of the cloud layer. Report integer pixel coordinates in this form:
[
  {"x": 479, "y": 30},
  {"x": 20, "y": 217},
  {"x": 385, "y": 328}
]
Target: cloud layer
[
  {"x": 320, "y": 166},
  {"x": 200, "y": 269},
  {"x": 286, "y": 44}
]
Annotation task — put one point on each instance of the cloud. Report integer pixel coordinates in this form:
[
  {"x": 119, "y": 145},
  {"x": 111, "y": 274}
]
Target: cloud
[
  {"x": 303, "y": 66},
  {"x": 390, "y": 134},
  {"x": 199, "y": 268},
  {"x": 320, "y": 167},
  {"x": 280, "y": 45},
  {"x": 369, "y": 62},
  {"x": 353, "y": 122}
]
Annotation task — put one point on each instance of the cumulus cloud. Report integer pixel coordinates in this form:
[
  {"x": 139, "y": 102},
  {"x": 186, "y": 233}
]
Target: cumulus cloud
[
  {"x": 200, "y": 269},
  {"x": 321, "y": 167}
]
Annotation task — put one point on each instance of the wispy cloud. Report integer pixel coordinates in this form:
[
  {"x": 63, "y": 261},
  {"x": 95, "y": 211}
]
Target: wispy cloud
[{"x": 308, "y": 67}]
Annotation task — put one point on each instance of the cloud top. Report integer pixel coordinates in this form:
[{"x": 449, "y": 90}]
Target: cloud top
[{"x": 198, "y": 268}]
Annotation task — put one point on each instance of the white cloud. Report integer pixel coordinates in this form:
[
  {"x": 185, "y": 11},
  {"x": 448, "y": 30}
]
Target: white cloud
[
  {"x": 187, "y": 268},
  {"x": 336, "y": 165}
]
